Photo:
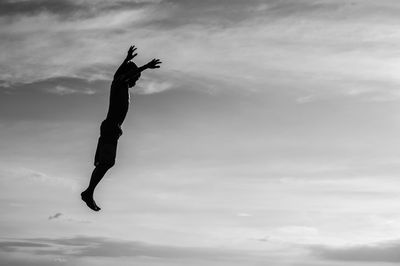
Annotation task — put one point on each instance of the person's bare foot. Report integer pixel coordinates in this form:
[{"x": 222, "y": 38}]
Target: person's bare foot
[{"x": 88, "y": 199}]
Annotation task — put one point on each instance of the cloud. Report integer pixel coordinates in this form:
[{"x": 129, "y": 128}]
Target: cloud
[
  {"x": 305, "y": 99},
  {"x": 11, "y": 246},
  {"x": 63, "y": 85},
  {"x": 244, "y": 214},
  {"x": 83, "y": 246},
  {"x": 379, "y": 252},
  {"x": 255, "y": 45},
  {"x": 150, "y": 86},
  {"x": 71, "y": 220},
  {"x": 55, "y": 216},
  {"x": 29, "y": 7},
  {"x": 72, "y": 48},
  {"x": 61, "y": 90},
  {"x": 66, "y": 8},
  {"x": 29, "y": 176}
]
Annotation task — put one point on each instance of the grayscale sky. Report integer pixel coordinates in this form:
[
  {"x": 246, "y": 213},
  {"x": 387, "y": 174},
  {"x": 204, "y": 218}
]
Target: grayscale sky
[{"x": 269, "y": 136}]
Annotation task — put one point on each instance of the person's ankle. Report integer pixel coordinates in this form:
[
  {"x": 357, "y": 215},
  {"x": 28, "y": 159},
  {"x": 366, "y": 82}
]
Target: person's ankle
[{"x": 87, "y": 192}]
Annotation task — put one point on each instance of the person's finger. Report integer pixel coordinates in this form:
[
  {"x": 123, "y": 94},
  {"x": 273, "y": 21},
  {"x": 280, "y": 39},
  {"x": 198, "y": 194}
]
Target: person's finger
[
  {"x": 134, "y": 55},
  {"x": 132, "y": 49}
]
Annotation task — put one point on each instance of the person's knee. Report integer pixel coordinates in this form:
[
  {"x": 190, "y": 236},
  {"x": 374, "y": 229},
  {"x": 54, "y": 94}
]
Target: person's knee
[
  {"x": 110, "y": 165},
  {"x": 105, "y": 167}
]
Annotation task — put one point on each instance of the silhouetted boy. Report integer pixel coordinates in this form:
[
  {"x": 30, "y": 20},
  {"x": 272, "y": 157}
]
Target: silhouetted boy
[{"x": 110, "y": 130}]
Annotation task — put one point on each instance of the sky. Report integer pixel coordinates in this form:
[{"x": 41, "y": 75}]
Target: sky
[{"x": 269, "y": 136}]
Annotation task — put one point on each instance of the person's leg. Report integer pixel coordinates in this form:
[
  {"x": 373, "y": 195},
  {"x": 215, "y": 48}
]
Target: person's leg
[
  {"x": 97, "y": 175},
  {"x": 104, "y": 159}
]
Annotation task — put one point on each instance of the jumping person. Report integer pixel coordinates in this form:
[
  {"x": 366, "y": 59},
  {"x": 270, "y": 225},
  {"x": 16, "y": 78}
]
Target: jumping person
[{"x": 110, "y": 130}]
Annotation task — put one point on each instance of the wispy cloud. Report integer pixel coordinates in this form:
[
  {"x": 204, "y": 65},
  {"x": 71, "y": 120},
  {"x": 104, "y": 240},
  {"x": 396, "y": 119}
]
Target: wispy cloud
[
  {"x": 55, "y": 216},
  {"x": 68, "y": 219},
  {"x": 150, "y": 86},
  {"x": 255, "y": 45},
  {"x": 377, "y": 252},
  {"x": 14, "y": 8},
  {"x": 61, "y": 90},
  {"x": 82, "y": 246},
  {"x": 25, "y": 175}
]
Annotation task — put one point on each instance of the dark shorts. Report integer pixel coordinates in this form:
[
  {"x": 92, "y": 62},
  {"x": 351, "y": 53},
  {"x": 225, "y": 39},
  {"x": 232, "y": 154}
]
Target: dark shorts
[{"x": 107, "y": 145}]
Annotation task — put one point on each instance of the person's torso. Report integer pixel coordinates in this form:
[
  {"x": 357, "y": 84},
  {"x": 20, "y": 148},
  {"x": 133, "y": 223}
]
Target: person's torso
[{"x": 119, "y": 104}]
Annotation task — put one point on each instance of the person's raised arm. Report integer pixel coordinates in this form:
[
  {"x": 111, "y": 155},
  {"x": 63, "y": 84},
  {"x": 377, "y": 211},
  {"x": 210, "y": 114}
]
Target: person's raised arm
[
  {"x": 121, "y": 76},
  {"x": 130, "y": 54},
  {"x": 155, "y": 63},
  {"x": 128, "y": 58}
]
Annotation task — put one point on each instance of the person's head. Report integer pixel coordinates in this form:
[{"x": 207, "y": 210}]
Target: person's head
[{"x": 131, "y": 70}]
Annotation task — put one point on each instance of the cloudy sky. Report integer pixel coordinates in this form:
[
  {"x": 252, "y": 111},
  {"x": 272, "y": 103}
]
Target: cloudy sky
[{"x": 269, "y": 136}]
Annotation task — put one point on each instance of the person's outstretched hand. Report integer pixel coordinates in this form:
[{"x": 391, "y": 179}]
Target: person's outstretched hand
[
  {"x": 130, "y": 54},
  {"x": 154, "y": 63}
]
